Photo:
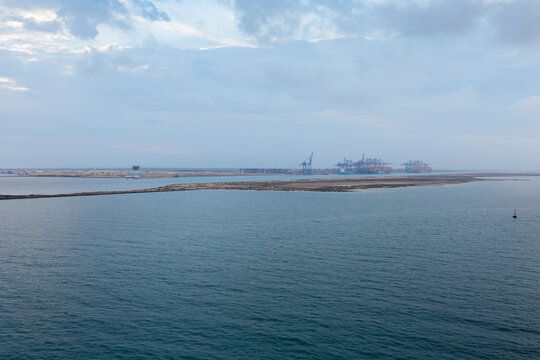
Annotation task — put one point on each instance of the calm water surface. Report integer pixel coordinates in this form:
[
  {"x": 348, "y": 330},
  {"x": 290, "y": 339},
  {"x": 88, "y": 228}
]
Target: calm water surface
[
  {"x": 15, "y": 185},
  {"x": 414, "y": 273}
]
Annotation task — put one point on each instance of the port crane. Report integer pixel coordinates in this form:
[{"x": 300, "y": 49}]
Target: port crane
[
  {"x": 364, "y": 166},
  {"x": 306, "y": 165},
  {"x": 416, "y": 166}
]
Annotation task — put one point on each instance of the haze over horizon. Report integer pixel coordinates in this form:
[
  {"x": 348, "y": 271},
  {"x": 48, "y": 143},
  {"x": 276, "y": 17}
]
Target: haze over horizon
[{"x": 230, "y": 84}]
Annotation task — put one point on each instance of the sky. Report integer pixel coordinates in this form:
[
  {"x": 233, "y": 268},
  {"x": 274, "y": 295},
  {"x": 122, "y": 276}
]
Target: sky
[{"x": 253, "y": 83}]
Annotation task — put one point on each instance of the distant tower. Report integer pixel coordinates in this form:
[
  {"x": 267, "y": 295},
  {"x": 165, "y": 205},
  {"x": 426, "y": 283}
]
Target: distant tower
[{"x": 135, "y": 174}]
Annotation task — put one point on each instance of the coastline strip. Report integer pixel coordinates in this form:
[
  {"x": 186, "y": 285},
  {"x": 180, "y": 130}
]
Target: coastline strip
[{"x": 346, "y": 184}]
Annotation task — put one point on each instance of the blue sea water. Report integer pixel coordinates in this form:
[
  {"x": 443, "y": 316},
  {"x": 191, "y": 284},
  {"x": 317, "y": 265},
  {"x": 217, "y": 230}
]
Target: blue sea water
[
  {"x": 15, "y": 185},
  {"x": 411, "y": 273}
]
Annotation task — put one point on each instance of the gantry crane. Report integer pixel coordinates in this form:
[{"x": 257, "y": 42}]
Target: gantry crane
[{"x": 306, "y": 165}]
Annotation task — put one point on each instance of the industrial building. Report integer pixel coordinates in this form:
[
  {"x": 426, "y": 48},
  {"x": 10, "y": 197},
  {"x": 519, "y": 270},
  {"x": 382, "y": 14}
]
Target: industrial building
[
  {"x": 416, "y": 166},
  {"x": 364, "y": 166},
  {"x": 265, "y": 171},
  {"x": 135, "y": 174}
]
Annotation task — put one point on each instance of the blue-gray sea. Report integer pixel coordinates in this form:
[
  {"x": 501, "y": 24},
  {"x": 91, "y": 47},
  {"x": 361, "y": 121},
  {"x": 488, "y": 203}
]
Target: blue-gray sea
[{"x": 413, "y": 273}]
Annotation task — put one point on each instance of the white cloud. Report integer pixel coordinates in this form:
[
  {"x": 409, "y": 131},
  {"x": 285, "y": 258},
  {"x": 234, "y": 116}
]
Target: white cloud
[
  {"x": 11, "y": 84},
  {"x": 529, "y": 107},
  {"x": 68, "y": 70},
  {"x": 122, "y": 68},
  {"x": 466, "y": 97},
  {"x": 191, "y": 25},
  {"x": 37, "y": 14},
  {"x": 31, "y": 31},
  {"x": 113, "y": 47}
]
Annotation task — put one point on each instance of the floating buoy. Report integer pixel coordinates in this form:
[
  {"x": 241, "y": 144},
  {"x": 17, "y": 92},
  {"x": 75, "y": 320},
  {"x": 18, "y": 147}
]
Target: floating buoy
[{"x": 515, "y": 214}]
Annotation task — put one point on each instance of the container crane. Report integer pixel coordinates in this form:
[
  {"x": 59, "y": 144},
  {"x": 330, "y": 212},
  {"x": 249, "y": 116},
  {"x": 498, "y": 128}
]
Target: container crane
[{"x": 306, "y": 165}]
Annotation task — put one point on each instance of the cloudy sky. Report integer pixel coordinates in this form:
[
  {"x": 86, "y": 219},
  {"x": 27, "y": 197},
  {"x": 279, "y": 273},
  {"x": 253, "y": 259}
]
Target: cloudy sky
[{"x": 246, "y": 83}]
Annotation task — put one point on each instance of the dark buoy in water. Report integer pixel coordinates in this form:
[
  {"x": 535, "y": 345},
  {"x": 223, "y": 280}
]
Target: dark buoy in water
[{"x": 515, "y": 214}]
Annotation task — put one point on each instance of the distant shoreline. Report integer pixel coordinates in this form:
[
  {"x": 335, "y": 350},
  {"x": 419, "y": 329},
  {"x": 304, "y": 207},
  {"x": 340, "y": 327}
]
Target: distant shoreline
[
  {"x": 155, "y": 173},
  {"x": 343, "y": 184},
  {"x": 118, "y": 174},
  {"x": 182, "y": 173}
]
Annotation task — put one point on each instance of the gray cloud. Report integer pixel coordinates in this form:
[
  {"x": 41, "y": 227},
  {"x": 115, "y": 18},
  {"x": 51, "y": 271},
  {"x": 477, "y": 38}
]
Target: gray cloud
[
  {"x": 281, "y": 18},
  {"x": 436, "y": 17},
  {"x": 82, "y": 17},
  {"x": 512, "y": 22},
  {"x": 269, "y": 18},
  {"x": 407, "y": 92},
  {"x": 330, "y": 96},
  {"x": 518, "y": 22},
  {"x": 150, "y": 11},
  {"x": 29, "y": 3}
]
